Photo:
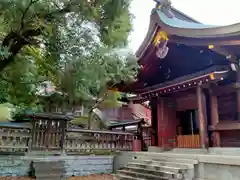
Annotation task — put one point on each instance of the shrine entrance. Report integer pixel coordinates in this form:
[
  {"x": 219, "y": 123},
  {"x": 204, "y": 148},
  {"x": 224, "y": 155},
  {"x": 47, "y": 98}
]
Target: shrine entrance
[
  {"x": 177, "y": 120},
  {"x": 188, "y": 129},
  {"x": 187, "y": 122}
]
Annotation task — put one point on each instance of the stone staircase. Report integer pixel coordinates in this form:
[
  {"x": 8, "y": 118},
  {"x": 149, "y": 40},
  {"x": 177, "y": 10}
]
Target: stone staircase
[
  {"x": 49, "y": 170},
  {"x": 159, "y": 167},
  {"x": 45, "y": 166}
]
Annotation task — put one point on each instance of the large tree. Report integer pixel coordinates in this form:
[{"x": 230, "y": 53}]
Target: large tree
[
  {"x": 31, "y": 22},
  {"x": 87, "y": 65},
  {"x": 75, "y": 44}
]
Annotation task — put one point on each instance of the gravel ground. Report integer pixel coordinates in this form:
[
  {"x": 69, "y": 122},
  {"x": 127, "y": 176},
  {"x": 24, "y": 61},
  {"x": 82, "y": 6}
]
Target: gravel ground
[
  {"x": 90, "y": 177},
  {"x": 93, "y": 177}
]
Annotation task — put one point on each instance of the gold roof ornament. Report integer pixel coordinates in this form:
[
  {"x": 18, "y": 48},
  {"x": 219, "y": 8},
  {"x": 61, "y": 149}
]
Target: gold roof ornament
[
  {"x": 160, "y": 41},
  {"x": 211, "y": 46},
  {"x": 161, "y": 35},
  {"x": 229, "y": 56},
  {"x": 212, "y": 77}
]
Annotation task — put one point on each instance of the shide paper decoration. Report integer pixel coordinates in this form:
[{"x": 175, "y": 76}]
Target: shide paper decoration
[{"x": 160, "y": 41}]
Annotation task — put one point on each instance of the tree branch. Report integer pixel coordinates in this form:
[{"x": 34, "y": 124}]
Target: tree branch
[
  {"x": 26, "y": 10},
  {"x": 66, "y": 9},
  {"x": 16, "y": 42},
  {"x": 99, "y": 101}
]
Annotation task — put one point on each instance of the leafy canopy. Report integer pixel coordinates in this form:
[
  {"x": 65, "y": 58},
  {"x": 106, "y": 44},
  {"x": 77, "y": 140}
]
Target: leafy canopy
[
  {"x": 30, "y": 22},
  {"x": 74, "y": 44}
]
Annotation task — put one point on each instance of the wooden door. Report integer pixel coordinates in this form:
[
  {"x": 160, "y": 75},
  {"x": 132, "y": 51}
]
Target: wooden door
[{"x": 167, "y": 123}]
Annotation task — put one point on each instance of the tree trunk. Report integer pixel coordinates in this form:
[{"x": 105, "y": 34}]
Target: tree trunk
[{"x": 90, "y": 119}]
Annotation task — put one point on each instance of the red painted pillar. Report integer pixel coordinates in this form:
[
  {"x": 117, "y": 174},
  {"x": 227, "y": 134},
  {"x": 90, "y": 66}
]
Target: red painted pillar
[
  {"x": 201, "y": 119},
  {"x": 154, "y": 121},
  {"x": 215, "y": 119},
  {"x": 161, "y": 124}
]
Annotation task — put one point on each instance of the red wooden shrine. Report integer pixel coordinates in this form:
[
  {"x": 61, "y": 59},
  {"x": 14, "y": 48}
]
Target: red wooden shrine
[{"x": 190, "y": 74}]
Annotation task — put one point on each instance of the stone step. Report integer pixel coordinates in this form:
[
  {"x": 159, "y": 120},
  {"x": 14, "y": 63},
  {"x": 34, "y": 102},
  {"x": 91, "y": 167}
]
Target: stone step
[
  {"x": 169, "y": 155},
  {"x": 57, "y": 177},
  {"x": 43, "y": 174},
  {"x": 49, "y": 163},
  {"x": 188, "y": 151},
  {"x": 46, "y": 167},
  {"x": 165, "y": 163},
  {"x": 125, "y": 177},
  {"x": 158, "y": 167},
  {"x": 160, "y": 173},
  {"x": 50, "y": 170},
  {"x": 137, "y": 175},
  {"x": 168, "y": 159},
  {"x": 187, "y": 169}
]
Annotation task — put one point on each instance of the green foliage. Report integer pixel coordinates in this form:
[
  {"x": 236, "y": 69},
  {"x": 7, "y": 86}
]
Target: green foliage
[
  {"x": 5, "y": 112},
  {"x": 18, "y": 82},
  {"x": 111, "y": 100},
  {"x": 73, "y": 43},
  {"x": 4, "y": 52},
  {"x": 80, "y": 121}
]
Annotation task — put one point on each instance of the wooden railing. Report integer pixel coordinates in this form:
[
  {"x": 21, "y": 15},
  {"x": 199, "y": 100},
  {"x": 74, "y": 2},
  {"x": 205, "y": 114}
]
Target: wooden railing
[
  {"x": 48, "y": 134},
  {"x": 14, "y": 139},
  {"x": 188, "y": 141},
  {"x": 24, "y": 139},
  {"x": 82, "y": 140}
]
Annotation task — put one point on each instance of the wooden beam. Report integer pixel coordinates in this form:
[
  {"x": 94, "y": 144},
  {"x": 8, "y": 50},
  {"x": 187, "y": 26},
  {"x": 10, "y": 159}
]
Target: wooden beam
[
  {"x": 220, "y": 90},
  {"x": 201, "y": 116},
  {"x": 238, "y": 95},
  {"x": 227, "y": 125}
]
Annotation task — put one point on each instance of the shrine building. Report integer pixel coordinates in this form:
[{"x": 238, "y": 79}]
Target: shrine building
[{"x": 190, "y": 74}]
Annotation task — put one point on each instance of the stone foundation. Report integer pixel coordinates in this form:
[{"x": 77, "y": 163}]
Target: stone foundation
[{"x": 72, "y": 165}]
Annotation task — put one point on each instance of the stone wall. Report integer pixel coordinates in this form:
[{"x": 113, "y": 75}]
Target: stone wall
[
  {"x": 73, "y": 165},
  {"x": 13, "y": 166}
]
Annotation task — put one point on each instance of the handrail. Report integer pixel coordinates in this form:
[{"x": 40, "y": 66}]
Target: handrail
[
  {"x": 97, "y": 131},
  {"x": 56, "y": 136},
  {"x": 15, "y": 126}
]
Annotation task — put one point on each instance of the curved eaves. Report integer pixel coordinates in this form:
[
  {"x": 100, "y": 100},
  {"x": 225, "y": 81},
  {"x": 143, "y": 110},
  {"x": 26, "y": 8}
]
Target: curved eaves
[
  {"x": 175, "y": 26},
  {"x": 183, "y": 27},
  {"x": 152, "y": 29}
]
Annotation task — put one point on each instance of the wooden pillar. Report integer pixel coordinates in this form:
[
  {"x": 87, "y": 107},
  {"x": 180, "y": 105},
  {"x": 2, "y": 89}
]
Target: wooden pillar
[
  {"x": 161, "y": 123},
  {"x": 238, "y": 104},
  {"x": 238, "y": 93},
  {"x": 63, "y": 125},
  {"x": 214, "y": 119},
  {"x": 201, "y": 119},
  {"x": 154, "y": 119}
]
